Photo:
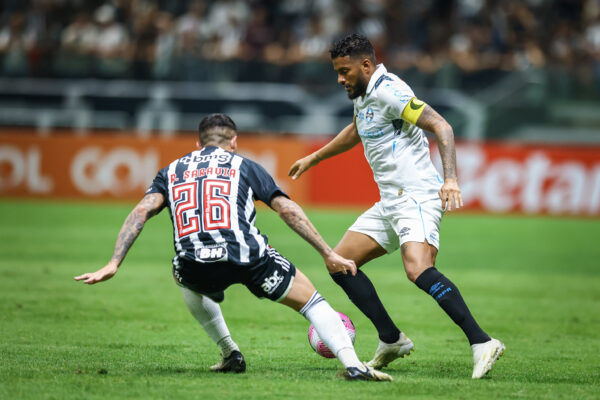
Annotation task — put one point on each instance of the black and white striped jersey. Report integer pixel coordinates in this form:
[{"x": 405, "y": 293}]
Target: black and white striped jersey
[{"x": 210, "y": 194}]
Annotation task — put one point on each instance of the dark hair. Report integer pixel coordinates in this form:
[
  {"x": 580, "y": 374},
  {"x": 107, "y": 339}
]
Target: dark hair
[
  {"x": 216, "y": 128},
  {"x": 353, "y": 45}
]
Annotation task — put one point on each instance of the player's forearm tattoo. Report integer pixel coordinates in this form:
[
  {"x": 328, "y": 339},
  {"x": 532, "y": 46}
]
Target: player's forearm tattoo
[
  {"x": 448, "y": 154},
  {"x": 295, "y": 218},
  {"x": 433, "y": 122},
  {"x": 133, "y": 225}
]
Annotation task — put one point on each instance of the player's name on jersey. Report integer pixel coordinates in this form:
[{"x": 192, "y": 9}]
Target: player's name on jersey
[{"x": 196, "y": 173}]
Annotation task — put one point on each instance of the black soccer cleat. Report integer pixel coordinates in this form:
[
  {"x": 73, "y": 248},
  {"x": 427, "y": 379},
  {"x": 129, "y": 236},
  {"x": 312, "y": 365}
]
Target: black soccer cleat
[
  {"x": 368, "y": 374},
  {"x": 233, "y": 363}
]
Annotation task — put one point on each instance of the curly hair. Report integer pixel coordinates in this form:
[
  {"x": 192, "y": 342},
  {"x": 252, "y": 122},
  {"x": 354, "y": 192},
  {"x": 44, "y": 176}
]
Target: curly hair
[
  {"x": 216, "y": 128},
  {"x": 353, "y": 45}
]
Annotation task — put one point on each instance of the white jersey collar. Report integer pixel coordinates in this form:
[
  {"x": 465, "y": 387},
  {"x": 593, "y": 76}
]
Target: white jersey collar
[{"x": 376, "y": 75}]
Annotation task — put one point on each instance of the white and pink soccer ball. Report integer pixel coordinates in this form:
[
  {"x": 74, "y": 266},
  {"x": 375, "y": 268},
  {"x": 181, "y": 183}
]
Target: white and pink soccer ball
[{"x": 319, "y": 346}]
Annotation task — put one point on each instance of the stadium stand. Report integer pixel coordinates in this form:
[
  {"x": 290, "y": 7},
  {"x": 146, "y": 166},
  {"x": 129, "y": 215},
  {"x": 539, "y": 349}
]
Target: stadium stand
[{"x": 514, "y": 65}]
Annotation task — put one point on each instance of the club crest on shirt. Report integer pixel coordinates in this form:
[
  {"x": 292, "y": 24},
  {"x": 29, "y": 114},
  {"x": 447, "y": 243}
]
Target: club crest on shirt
[{"x": 369, "y": 115}]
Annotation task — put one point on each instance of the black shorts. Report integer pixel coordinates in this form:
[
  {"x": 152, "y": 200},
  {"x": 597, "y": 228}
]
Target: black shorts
[{"x": 270, "y": 277}]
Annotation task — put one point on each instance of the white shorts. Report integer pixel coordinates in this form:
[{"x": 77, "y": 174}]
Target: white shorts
[{"x": 392, "y": 225}]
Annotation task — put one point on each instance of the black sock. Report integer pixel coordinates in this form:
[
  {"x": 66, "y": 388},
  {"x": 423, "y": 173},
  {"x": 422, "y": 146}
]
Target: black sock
[
  {"x": 448, "y": 297},
  {"x": 361, "y": 292}
]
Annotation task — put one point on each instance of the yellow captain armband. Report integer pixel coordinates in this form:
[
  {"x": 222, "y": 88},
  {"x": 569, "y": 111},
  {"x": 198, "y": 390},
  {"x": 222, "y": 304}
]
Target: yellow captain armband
[{"x": 413, "y": 110}]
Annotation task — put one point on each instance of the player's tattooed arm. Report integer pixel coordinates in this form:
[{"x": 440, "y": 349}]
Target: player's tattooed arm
[
  {"x": 295, "y": 218},
  {"x": 133, "y": 225},
  {"x": 431, "y": 121},
  {"x": 148, "y": 207}
]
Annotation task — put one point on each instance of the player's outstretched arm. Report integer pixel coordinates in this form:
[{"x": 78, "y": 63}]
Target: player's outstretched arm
[
  {"x": 431, "y": 121},
  {"x": 149, "y": 206},
  {"x": 294, "y": 216},
  {"x": 344, "y": 141}
]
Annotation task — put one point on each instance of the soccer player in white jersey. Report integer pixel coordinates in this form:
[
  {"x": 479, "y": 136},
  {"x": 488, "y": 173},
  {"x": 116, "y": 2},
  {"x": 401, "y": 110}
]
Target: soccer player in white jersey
[
  {"x": 390, "y": 121},
  {"x": 210, "y": 195}
]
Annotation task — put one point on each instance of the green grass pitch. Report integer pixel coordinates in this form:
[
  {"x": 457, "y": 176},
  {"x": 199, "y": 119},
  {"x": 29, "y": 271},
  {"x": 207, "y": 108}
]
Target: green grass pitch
[{"x": 532, "y": 282}]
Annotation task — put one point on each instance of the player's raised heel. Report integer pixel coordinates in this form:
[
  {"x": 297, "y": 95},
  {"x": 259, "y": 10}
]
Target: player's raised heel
[
  {"x": 368, "y": 374},
  {"x": 388, "y": 352},
  {"x": 485, "y": 355},
  {"x": 233, "y": 363}
]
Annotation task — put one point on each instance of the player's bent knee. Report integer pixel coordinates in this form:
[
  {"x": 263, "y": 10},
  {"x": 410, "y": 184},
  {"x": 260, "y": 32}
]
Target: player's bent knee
[
  {"x": 300, "y": 293},
  {"x": 412, "y": 275},
  {"x": 413, "y": 271}
]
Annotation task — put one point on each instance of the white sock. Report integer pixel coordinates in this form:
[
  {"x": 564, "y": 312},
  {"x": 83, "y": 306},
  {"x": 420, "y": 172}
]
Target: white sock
[
  {"x": 331, "y": 330},
  {"x": 208, "y": 313}
]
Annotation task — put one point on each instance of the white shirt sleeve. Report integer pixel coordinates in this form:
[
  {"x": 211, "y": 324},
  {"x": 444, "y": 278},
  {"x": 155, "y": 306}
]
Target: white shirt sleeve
[{"x": 394, "y": 97}]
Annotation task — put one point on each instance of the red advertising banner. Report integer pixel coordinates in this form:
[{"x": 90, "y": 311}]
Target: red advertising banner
[
  {"x": 529, "y": 178},
  {"x": 111, "y": 166},
  {"x": 494, "y": 177},
  {"x": 345, "y": 179}
]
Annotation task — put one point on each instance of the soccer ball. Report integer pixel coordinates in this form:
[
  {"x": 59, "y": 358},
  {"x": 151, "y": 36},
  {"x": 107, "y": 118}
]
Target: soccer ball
[{"x": 319, "y": 346}]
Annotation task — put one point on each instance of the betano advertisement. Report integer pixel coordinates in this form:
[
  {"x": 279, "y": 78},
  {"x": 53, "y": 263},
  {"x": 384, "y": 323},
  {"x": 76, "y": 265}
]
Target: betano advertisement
[{"x": 494, "y": 177}]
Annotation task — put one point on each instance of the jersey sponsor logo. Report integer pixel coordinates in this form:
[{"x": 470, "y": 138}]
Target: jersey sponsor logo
[
  {"x": 211, "y": 254},
  {"x": 271, "y": 283},
  {"x": 404, "y": 98},
  {"x": 416, "y": 104},
  {"x": 369, "y": 115},
  {"x": 371, "y": 134},
  {"x": 222, "y": 158}
]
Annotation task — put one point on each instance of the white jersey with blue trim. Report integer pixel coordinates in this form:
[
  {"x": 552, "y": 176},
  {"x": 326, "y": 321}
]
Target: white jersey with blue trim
[{"x": 397, "y": 151}]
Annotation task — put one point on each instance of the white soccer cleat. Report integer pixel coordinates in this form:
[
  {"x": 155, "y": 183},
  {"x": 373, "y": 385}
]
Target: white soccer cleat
[
  {"x": 485, "y": 355},
  {"x": 388, "y": 352}
]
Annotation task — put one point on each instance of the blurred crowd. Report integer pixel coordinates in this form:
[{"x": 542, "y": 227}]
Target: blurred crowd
[{"x": 208, "y": 39}]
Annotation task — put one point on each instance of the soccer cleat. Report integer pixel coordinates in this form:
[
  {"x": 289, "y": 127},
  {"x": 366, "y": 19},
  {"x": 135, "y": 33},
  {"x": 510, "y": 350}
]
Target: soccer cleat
[
  {"x": 485, "y": 355},
  {"x": 233, "y": 363},
  {"x": 369, "y": 374},
  {"x": 388, "y": 352}
]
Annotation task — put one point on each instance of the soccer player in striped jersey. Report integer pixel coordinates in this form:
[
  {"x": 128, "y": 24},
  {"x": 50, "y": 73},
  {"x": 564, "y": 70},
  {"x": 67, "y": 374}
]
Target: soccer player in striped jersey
[
  {"x": 390, "y": 121},
  {"x": 210, "y": 195}
]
